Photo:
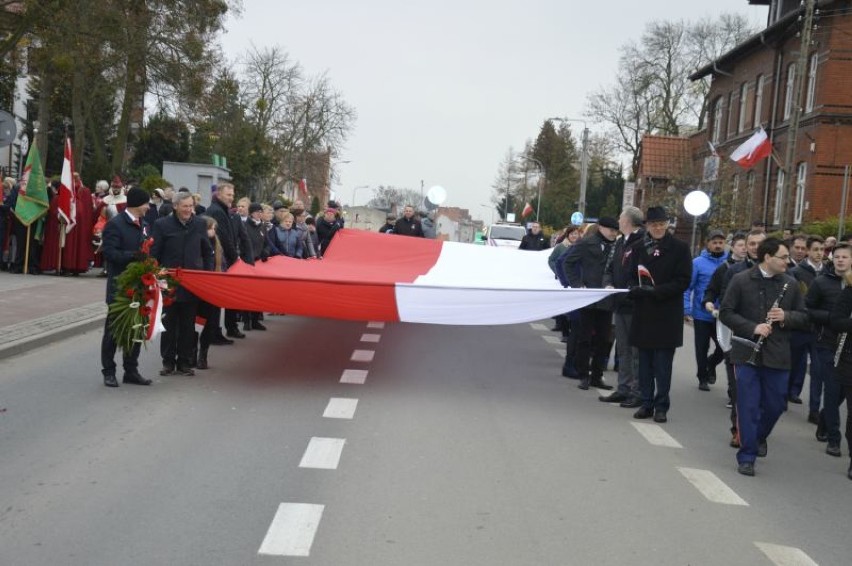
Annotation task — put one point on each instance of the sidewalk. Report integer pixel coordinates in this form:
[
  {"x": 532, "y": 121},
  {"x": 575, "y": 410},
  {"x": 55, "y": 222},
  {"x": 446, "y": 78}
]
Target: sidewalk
[{"x": 36, "y": 310}]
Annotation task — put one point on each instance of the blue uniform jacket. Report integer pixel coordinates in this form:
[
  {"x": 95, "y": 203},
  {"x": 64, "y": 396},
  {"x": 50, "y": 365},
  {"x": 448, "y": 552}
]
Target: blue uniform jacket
[{"x": 703, "y": 268}]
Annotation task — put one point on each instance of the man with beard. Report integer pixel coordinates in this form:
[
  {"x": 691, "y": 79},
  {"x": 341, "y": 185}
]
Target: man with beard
[{"x": 660, "y": 271}]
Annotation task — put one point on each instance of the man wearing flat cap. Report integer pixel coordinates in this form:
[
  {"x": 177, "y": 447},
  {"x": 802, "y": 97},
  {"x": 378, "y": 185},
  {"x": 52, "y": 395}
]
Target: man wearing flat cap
[
  {"x": 584, "y": 268},
  {"x": 660, "y": 271},
  {"x": 704, "y": 323}
]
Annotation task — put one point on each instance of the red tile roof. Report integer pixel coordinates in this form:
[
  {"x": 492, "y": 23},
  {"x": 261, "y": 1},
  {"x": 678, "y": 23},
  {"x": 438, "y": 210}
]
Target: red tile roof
[{"x": 664, "y": 157}]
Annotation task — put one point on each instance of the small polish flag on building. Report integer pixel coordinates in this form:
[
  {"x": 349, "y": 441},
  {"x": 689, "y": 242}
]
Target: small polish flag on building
[
  {"x": 754, "y": 150},
  {"x": 528, "y": 209}
]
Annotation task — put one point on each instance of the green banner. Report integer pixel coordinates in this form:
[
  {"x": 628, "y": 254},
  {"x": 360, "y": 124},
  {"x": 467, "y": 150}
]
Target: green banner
[{"x": 32, "y": 195}]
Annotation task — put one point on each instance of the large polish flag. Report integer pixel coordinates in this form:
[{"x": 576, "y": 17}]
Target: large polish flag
[
  {"x": 753, "y": 150},
  {"x": 385, "y": 277},
  {"x": 67, "y": 204}
]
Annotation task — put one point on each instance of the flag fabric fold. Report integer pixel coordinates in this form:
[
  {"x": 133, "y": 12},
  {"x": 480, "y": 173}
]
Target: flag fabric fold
[
  {"x": 528, "y": 209},
  {"x": 32, "y": 201},
  {"x": 754, "y": 150},
  {"x": 67, "y": 203}
]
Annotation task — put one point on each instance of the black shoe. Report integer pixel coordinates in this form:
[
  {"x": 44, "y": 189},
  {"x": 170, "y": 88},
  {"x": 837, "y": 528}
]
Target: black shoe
[
  {"x": 833, "y": 450},
  {"x": 135, "y": 378},
  {"x": 711, "y": 377},
  {"x": 746, "y": 468},
  {"x": 735, "y": 440},
  {"x": 813, "y": 417},
  {"x": 110, "y": 380},
  {"x": 599, "y": 383},
  {"x": 257, "y": 326},
  {"x": 794, "y": 399},
  {"x": 660, "y": 417},
  {"x": 616, "y": 397},
  {"x": 235, "y": 333},
  {"x": 643, "y": 413},
  {"x": 221, "y": 341},
  {"x": 188, "y": 371},
  {"x": 821, "y": 435},
  {"x": 631, "y": 403},
  {"x": 168, "y": 369},
  {"x": 702, "y": 385},
  {"x": 762, "y": 449},
  {"x": 570, "y": 372},
  {"x": 584, "y": 384}
]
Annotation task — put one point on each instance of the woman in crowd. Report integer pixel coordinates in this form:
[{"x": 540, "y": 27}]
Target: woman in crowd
[{"x": 285, "y": 239}]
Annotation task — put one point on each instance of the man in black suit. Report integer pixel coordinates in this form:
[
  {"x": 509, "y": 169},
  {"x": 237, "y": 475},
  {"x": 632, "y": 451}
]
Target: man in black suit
[
  {"x": 122, "y": 238},
  {"x": 180, "y": 240},
  {"x": 230, "y": 232}
]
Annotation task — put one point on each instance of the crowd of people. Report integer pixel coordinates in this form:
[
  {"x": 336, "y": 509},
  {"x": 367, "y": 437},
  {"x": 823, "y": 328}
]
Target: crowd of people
[{"x": 761, "y": 306}]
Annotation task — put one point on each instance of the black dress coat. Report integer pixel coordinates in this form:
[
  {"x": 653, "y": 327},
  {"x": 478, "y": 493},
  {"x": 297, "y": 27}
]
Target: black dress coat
[
  {"x": 121, "y": 241},
  {"x": 658, "y": 312},
  {"x": 225, "y": 230},
  {"x": 182, "y": 245}
]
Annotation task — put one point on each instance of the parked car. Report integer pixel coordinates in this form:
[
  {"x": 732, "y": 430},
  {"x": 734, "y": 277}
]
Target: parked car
[{"x": 505, "y": 235}]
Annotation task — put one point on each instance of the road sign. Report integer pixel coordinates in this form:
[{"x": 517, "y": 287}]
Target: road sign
[{"x": 577, "y": 218}]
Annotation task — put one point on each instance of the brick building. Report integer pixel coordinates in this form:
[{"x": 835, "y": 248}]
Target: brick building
[{"x": 755, "y": 85}]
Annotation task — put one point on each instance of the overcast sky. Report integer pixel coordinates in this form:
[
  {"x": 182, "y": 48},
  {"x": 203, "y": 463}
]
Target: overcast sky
[{"x": 443, "y": 88}]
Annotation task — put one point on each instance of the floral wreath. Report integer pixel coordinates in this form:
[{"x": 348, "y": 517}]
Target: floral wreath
[{"x": 142, "y": 290}]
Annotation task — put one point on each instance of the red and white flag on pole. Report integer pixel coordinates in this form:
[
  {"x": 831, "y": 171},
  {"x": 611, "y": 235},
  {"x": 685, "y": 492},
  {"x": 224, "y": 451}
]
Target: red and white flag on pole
[
  {"x": 67, "y": 204},
  {"x": 303, "y": 188},
  {"x": 753, "y": 150},
  {"x": 528, "y": 209}
]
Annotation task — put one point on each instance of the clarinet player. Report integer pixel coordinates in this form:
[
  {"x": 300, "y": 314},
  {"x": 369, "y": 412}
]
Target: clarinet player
[
  {"x": 762, "y": 305},
  {"x": 841, "y": 321}
]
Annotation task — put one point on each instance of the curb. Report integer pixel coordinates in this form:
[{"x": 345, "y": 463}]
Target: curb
[{"x": 29, "y": 343}]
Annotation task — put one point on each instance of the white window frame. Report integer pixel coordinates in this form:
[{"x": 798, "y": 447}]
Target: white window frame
[
  {"x": 812, "y": 76},
  {"x": 718, "y": 107},
  {"x": 791, "y": 86},
  {"x": 779, "y": 191},
  {"x": 735, "y": 196},
  {"x": 741, "y": 124},
  {"x": 801, "y": 177},
  {"x": 758, "y": 101},
  {"x": 731, "y": 127}
]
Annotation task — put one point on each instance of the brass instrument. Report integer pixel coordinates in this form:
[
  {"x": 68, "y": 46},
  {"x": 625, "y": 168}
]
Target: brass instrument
[{"x": 759, "y": 344}]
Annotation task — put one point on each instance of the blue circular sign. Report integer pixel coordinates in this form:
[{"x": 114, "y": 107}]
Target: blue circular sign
[{"x": 577, "y": 218}]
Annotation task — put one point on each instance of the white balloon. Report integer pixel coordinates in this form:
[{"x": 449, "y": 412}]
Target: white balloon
[
  {"x": 436, "y": 194},
  {"x": 696, "y": 203}
]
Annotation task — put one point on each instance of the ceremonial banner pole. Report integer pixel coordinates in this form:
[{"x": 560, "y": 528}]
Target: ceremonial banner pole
[{"x": 27, "y": 252}]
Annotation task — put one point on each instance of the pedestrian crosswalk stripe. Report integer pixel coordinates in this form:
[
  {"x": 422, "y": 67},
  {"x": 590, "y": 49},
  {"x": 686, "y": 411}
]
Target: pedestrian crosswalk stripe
[
  {"x": 539, "y": 326},
  {"x": 374, "y": 338},
  {"x": 375, "y": 325},
  {"x": 340, "y": 408},
  {"x": 785, "y": 555},
  {"x": 356, "y": 376},
  {"x": 552, "y": 339},
  {"x": 323, "y": 453},
  {"x": 292, "y": 530},
  {"x": 712, "y": 487},
  {"x": 560, "y": 351},
  {"x": 363, "y": 355},
  {"x": 656, "y": 435}
]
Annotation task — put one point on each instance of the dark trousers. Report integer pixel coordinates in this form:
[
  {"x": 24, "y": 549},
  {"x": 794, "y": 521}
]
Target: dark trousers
[
  {"x": 232, "y": 320},
  {"x": 655, "y": 377},
  {"x": 177, "y": 343},
  {"x": 732, "y": 391},
  {"x": 761, "y": 398},
  {"x": 212, "y": 315},
  {"x": 593, "y": 342},
  {"x": 130, "y": 360},
  {"x": 705, "y": 332},
  {"x": 835, "y": 393},
  {"x": 802, "y": 345}
]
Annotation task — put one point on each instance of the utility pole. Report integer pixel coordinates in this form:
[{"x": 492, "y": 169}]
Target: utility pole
[
  {"x": 584, "y": 171},
  {"x": 796, "y": 112}
]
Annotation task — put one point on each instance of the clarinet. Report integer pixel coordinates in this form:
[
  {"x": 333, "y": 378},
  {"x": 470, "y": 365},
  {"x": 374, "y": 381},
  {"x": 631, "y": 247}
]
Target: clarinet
[{"x": 756, "y": 351}]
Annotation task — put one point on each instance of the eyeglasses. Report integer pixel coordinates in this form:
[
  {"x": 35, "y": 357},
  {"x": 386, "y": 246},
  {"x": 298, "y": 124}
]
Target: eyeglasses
[{"x": 784, "y": 257}]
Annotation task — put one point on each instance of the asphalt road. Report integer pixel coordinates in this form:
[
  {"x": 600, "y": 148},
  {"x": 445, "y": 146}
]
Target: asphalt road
[{"x": 464, "y": 447}]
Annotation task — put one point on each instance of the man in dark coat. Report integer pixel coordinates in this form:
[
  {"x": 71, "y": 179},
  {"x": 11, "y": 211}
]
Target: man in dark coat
[
  {"x": 122, "y": 239},
  {"x": 327, "y": 227},
  {"x": 584, "y": 268},
  {"x": 755, "y": 300},
  {"x": 803, "y": 344},
  {"x": 180, "y": 240},
  {"x": 657, "y": 326},
  {"x": 230, "y": 234},
  {"x": 407, "y": 224},
  {"x": 256, "y": 233},
  {"x": 534, "y": 239}
]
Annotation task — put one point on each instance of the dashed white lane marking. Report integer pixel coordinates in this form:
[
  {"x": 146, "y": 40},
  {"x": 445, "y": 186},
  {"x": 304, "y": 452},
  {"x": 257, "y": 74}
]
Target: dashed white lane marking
[
  {"x": 292, "y": 530},
  {"x": 656, "y": 435},
  {"x": 356, "y": 376},
  {"x": 785, "y": 555},
  {"x": 551, "y": 339},
  {"x": 363, "y": 355},
  {"x": 374, "y": 338},
  {"x": 712, "y": 487},
  {"x": 539, "y": 326},
  {"x": 560, "y": 351},
  {"x": 323, "y": 453},
  {"x": 375, "y": 325},
  {"x": 606, "y": 393},
  {"x": 340, "y": 408}
]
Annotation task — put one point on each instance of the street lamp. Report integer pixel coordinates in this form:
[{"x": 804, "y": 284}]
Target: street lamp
[
  {"x": 543, "y": 174},
  {"x": 584, "y": 162},
  {"x": 355, "y": 190}
]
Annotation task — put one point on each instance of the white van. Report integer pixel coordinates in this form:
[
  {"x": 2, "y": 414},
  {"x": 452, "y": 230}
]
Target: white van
[{"x": 505, "y": 235}]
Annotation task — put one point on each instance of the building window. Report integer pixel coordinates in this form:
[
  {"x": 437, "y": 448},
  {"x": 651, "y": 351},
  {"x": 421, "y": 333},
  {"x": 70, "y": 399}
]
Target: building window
[
  {"x": 718, "y": 110},
  {"x": 791, "y": 86},
  {"x": 801, "y": 174},
  {"x": 812, "y": 71},
  {"x": 731, "y": 130},
  {"x": 758, "y": 101},
  {"x": 735, "y": 197},
  {"x": 741, "y": 125},
  {"x": 779, "y": 192}
]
